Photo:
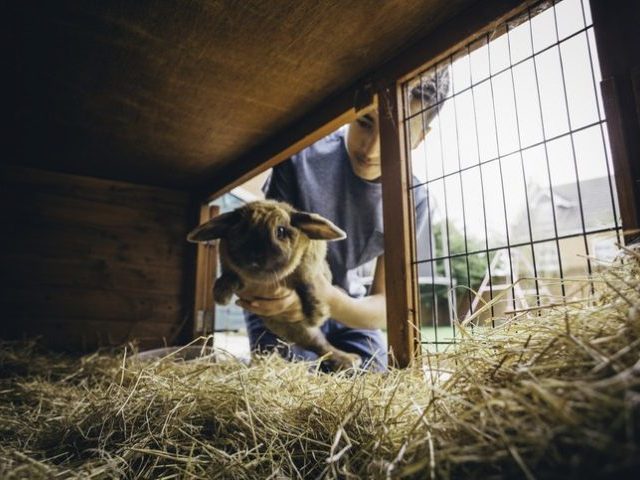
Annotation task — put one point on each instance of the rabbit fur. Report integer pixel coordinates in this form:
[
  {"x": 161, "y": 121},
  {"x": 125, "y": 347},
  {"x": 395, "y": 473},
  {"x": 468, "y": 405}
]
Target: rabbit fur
[{"x": 265, "y": 244}]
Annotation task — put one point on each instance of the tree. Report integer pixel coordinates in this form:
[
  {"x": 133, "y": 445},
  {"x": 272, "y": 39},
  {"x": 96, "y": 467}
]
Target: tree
[{"x": 465, "y": 270}]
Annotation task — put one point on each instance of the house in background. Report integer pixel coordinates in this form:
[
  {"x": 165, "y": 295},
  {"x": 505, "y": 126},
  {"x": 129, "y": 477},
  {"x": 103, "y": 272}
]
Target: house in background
[
  {"x": 562, "y": 203},
  {"x": 510, "y": 277},
  {"x": 597, "y": 196}
]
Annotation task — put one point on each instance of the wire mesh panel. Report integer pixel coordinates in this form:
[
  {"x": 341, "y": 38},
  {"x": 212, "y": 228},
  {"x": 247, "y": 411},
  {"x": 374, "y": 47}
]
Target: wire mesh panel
[{"x": 515, "y": 161}]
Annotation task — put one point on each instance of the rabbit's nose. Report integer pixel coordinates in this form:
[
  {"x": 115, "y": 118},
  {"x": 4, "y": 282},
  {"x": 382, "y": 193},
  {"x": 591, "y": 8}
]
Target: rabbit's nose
[{"x": 254, "y": 264}]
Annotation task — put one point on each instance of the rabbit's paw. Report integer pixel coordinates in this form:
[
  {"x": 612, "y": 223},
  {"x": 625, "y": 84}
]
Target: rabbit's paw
[
  {"x": 224, "y": 289},
  {"x": 343, "y": 361}
]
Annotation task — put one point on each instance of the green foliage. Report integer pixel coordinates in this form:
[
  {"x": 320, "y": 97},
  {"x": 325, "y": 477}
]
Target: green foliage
[{"x": 475, "y": 265}]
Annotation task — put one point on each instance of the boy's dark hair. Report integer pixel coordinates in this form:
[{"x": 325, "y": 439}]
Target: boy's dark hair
[{"x": 431, "y": 89}]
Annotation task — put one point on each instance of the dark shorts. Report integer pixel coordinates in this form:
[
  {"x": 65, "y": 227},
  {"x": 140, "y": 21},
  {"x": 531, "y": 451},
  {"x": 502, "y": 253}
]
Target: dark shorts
[{"x": 369, "y": 344}]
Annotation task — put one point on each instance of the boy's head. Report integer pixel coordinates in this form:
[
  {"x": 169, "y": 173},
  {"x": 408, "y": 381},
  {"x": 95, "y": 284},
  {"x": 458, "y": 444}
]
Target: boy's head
[{"x": 363, "y": 140}]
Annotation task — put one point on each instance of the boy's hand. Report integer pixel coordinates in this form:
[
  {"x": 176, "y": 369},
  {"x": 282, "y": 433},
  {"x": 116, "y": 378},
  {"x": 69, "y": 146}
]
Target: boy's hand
[
  {"x": 284, "y": 303},
  {"x": 281, "y": 301}
]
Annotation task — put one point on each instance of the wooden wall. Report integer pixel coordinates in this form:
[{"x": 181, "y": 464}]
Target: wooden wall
[{"x": 89, "y": 262}]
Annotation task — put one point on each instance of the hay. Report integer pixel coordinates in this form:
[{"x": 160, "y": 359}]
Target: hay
[{"x": 551, "y": 393}]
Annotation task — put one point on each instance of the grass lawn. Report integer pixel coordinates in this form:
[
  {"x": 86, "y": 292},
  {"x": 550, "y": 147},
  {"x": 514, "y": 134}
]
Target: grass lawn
[{"x": 429, "y": 336}]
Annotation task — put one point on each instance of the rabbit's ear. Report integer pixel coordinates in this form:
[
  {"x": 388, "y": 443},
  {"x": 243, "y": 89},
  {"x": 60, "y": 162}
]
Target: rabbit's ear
[
  {"x": 316, "y": 227},
  {"x": 215, "y": 228}
]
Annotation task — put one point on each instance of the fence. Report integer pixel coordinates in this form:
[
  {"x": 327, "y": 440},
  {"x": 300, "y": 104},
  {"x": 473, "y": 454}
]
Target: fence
[{"x": 516, "y": 166}]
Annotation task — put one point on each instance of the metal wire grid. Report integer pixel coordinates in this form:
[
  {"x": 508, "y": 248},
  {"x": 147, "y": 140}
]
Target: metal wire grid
[{"x": 522, "y": 22}]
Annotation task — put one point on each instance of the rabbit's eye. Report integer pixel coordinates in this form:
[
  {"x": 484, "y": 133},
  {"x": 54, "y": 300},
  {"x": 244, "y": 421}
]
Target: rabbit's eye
[{"x": 281, "y": 233}]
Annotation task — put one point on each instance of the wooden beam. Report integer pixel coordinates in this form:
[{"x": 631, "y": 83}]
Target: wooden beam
[
  {"x": 328, "y": 117},
  {"x": 615, "y": 24},
  {"x": 399, "y": 241},
  {"x": 206, "y": 271},
  {"x": 345, "y": 106}
]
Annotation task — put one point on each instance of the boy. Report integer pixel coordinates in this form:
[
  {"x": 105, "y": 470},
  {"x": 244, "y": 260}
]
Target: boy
[{"x": 338, "y": 177}]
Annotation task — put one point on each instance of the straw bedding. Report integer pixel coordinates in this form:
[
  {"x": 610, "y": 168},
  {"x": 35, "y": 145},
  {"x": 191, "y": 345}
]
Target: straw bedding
[{"x": 551, "y": 393}]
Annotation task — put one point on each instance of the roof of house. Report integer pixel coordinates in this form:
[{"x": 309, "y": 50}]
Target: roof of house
[{"x": 595, "y": 194}]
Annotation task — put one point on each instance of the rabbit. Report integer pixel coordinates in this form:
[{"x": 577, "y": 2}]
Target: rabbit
[{"x": 267, "y": 243}]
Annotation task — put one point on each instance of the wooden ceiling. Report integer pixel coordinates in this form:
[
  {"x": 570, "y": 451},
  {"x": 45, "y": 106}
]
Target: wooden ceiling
[{"x": 174, "y": 93}]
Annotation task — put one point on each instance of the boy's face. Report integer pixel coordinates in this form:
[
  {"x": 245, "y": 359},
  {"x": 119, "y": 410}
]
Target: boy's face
[{"x": 363, "y": 144}]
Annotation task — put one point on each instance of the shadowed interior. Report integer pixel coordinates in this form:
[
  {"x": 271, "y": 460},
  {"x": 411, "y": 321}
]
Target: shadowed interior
[{"x": 171, "y": 93}]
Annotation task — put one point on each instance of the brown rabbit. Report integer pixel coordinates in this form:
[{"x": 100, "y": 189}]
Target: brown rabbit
[{"x": 264, "y": 244}]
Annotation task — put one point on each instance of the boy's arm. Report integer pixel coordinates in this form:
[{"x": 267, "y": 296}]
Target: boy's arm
[{"x": 366, "y": 312}]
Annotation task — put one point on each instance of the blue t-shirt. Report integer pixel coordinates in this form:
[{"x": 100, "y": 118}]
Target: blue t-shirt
[{"x": 320, "y": 179}]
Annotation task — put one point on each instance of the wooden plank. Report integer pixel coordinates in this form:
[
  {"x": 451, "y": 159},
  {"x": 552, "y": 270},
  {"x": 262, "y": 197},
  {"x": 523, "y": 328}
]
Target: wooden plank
[
  {"x": 399, "y": 240},
  {"x": 345, "y": 106},
  {"x": 325, "y": 119},
  {"x": 91, "y": 303},
  {"x": 27, "y": 270},
  {"x": 615, "y": 25},
  {"x": 635, "y": 79},
  {"x": 88, "y": 260},
  {"x": 111, "y": 192},
  {"x": 206, "y": 271},
  {"x": 189, "y": 273},
  {"x": 21, "y": 321},
  {"x": 89, "y": 212},
  {"x": 87, "y": 335},
  {"x": 62, "y": 225},
  {"x": 624, "y": 138},
  {"x": 54, "y": 240}
]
